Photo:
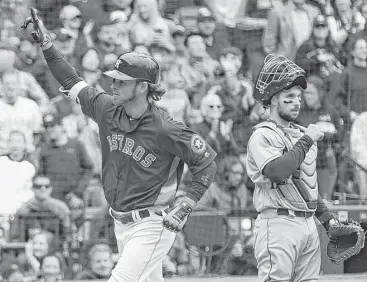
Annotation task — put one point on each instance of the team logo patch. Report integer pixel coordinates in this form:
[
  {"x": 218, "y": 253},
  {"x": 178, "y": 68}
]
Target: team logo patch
[
  {"x": 117, "y": 64},
  {"x": 197, "y": 144}
]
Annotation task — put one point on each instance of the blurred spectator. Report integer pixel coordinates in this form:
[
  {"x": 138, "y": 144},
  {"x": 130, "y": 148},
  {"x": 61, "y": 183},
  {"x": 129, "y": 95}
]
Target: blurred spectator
[
  {"x": 107, "y": 32},
  {"x": 351, "y": 96},
  {"x": 358, "y": 148},
  {"x": 198, "y": 70},
  {"x": 249, "y": 32},
  {"x": 66, "y": 162},
  {"x": 89, "y": 70},
  {"x": 206, "y": 26},
  {"x": 12, "y": 274},
  {"x": 52, "y": 268},
  {"x": 64, "y": 41},
  {"x": 175, "y": 101},
  {"x": 71, "y": 19},
  {"x": 316, "y": 109},
  {"x": 216, "y": 132},
  {"x": 31, "y": 61},
  {"x": 124, "y": 6},
  {"x": 319, "y": 55},
  {"x": 160, "y": 51},
  {"x": 289, "y": 25},
  {"x": 146, "y": 25},
  {"x": 77, "y": 125},
  {"x": 235, "y": 92},
  {"x": 48, "y": 11},
  {"x": 363, "y": 33},
  {"x": 179, "y": 36},
  {"x": 18, "y": 112},
  {"x": 16, "y": 173},
  {"x": 37, "y": 248},
  {"x": 180, "y": 259},
  {"x": 43, "y": 202},
  {"x": 228, "y": 193},
  {"x": 27, "y": 84},
  {"x": 141, "y": 48},
  {"x": 12, "y": 15},
  {"x": 345, "y": 21},
  {"x": 100, "y": 263}
]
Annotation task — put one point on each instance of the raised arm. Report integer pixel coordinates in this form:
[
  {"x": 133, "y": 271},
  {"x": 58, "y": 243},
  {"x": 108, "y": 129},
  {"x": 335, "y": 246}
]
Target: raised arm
[{"x": 73, "y": 86}]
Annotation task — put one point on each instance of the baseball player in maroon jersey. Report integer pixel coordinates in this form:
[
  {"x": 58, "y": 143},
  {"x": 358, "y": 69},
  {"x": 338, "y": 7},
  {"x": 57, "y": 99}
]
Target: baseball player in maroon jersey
[
  {"x": 143, "y": 153},
  {"x": 281, "y": 161}
]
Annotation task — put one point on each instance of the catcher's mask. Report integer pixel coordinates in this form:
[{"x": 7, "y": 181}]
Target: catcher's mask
[
  {"x": 277, "y": 74},
  {"x": 135, "y": 66}
]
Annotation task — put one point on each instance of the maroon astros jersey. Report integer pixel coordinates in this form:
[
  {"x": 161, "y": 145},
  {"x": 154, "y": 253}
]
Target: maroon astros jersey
[{"x": 142, "y": 160}]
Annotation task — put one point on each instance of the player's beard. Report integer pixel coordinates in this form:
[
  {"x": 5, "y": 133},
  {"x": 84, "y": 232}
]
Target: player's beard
[{"x": 288, "y": 115}]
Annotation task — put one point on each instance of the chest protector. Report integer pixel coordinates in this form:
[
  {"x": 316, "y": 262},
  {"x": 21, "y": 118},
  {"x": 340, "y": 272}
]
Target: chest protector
[{"x": 300, "y": 190}]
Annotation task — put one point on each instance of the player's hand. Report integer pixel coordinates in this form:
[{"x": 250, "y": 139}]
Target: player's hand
[
  {"x": 39, "y": 31},
  {"x": 314, "y": 132},
  {"x": 177, "y": 216}
]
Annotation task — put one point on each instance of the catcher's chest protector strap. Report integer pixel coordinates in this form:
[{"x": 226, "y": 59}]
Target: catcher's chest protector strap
[{"x": 299, "y": 189}]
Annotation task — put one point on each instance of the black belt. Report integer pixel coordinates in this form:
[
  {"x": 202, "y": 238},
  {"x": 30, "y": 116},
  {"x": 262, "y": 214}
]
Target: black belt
[
  {"x": 305, "y": 214},
  {"x": 128, "y": 217}
]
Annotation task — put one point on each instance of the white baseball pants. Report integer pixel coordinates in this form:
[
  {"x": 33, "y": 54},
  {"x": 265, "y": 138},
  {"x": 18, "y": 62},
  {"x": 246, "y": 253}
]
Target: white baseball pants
[{"x": 142, "y": 246}]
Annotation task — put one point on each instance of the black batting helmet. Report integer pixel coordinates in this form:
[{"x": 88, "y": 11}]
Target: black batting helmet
[
  {"x": 277, "y": 74},
  {"x": 135, "y": 66}
]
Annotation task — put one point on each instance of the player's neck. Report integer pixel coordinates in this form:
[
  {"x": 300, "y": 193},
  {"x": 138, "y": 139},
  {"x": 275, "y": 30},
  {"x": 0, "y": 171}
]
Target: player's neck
[
  {"x": 136, "y": 108},
  {"x": 274, "y": 116}
]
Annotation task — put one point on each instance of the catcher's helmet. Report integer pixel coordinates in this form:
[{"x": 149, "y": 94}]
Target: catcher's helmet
[
  {"x": 278, "y": 73},
  {"x": 135, "y": 66}
]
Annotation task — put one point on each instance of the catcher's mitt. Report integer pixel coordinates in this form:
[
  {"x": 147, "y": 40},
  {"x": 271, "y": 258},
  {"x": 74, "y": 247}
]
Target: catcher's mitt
[{"x": 346, "y": 240}]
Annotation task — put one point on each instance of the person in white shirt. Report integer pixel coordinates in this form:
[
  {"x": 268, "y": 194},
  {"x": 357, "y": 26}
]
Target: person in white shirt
[
  {"x": 17, "y": 112},
  {"x": 16, "y": 173},
  {"x": 358, "y": 148}
]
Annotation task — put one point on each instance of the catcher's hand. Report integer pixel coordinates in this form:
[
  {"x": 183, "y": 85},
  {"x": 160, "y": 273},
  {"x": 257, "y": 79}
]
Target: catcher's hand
[
  {"x": 39, "y": 32},
  {"x": 177, "y": 216},
  {"x": 346, "y": 240}
]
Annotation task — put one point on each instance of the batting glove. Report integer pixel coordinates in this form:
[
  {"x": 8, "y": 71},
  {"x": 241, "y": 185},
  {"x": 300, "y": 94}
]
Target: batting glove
[
  {"x": 177, "y": 216},
  {"x": 39, "y": 31}
]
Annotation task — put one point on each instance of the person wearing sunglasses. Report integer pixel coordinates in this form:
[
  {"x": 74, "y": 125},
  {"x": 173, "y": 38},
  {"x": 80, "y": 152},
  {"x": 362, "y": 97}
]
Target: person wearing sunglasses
[
  {"x": 213, "y": 129},
  {"x": 42, "y": 201}
]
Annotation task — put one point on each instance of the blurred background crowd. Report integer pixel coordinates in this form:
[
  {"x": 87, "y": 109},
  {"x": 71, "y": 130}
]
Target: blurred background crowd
[{"x": 54, "y": 221}]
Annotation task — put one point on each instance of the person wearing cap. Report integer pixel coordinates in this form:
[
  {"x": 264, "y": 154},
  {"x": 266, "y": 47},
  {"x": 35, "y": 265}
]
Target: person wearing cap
[
  {"x": 319, "y": 55},
  {"x": 143, "y": 155},
  {"x": 67, "y": 163},
  {"x": 179, "y": 35},
  {"x": 71, "y": 19},
  {"x": 65, "y": 42},
  {"x": 206, "y": 25}
]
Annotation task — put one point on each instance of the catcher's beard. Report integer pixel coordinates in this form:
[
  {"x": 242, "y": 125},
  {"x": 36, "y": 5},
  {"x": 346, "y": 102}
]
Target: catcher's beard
[{"x": 285, "y": 114}]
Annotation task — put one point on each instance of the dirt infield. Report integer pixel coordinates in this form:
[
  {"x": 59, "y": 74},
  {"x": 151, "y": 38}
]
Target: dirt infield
[{"x": 324, "y": 278}]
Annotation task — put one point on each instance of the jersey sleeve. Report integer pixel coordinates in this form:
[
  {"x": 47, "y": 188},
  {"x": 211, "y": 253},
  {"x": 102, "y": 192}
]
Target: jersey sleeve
[
  {"x": 92, "y": 102},
  {"x": 262, "y": 149},
  {"x": 181, "y": 141}
]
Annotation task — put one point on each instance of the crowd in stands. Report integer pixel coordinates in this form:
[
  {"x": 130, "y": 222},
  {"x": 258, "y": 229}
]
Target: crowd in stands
[{"x": 210, "y": 54}]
